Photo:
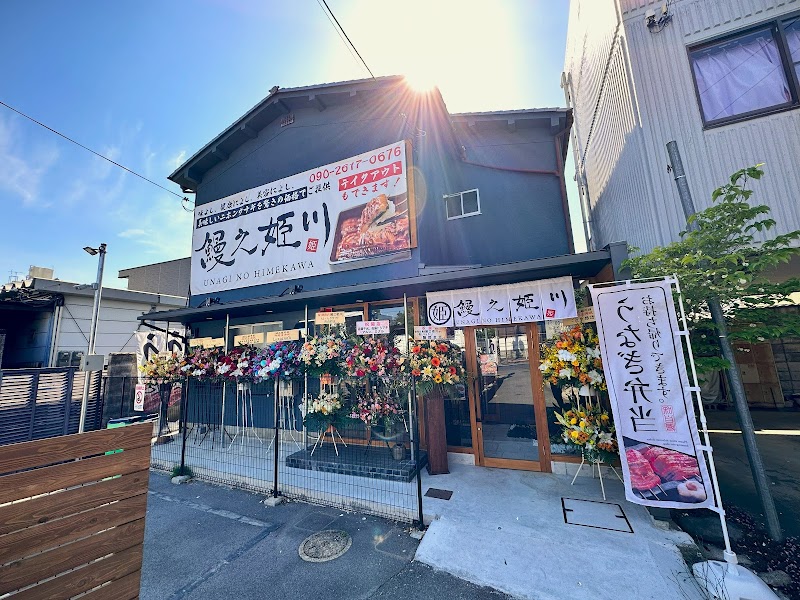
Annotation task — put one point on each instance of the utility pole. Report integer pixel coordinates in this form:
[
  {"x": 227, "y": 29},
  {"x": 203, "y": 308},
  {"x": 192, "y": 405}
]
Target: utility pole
[
  {"x": 734, "y": 376},
  {"x": 98, "y": 289}
]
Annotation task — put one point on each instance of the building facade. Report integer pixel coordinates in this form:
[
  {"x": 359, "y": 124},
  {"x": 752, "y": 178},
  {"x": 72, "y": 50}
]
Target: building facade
[
  {"x": 718, "y": 77},
  {"x": 47, "y": 321},
  {"x": 365, "y": 198}
]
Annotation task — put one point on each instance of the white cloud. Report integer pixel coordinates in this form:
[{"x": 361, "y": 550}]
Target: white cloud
[
  {"x": 177, "y": 160},
  {"x": 22, "y": 175},
  {"x": 132, "y": 233}
]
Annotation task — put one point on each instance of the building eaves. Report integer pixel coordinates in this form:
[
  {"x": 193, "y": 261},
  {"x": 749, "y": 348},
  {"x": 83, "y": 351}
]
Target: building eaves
[
  {"x": 242, "y": 128},
  {"x": 584, "y": 265}
]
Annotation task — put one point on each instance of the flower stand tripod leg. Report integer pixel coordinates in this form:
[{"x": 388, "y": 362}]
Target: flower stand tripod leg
[
  {"x": 600, "y": 474},
  {"x": 238, "y": 419},
  {"x": 616, "y": 473},
  {"x": 580, "y": 466},
  {"x": 252, "y": 420}
]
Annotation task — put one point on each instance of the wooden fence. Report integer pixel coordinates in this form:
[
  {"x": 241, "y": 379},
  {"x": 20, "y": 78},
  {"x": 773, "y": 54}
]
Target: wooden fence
[{"x": 72, "y": 513}]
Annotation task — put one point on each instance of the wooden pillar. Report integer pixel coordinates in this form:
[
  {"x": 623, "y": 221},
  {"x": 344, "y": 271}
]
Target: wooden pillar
[{"x": 435, "y": 433}]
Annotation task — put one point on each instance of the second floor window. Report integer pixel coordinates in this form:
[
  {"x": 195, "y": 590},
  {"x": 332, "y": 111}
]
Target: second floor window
[
  {"x": 748, "y": 74},
  {"x": 462, "y": 204}
]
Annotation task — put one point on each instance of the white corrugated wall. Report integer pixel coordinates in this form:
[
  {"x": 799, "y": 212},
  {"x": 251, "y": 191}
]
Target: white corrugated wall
[{"x": 634, "y": 197}]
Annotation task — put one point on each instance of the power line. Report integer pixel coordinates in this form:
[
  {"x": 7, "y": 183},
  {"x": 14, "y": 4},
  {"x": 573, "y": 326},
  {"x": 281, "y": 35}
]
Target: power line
[
  {"x": 69, "y": 139},
  {"x": 352, "y": 45}
]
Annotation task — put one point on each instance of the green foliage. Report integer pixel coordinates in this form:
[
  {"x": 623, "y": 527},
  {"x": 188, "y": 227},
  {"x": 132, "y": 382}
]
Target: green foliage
[
  {"x": 723, "y": 258},
  {"x": 177, "y": 471}
]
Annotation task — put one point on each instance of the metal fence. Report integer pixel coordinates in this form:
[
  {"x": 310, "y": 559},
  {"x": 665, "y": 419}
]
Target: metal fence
[
  {"x": 252, "y": 436},
  {"x": 42, "y": 403}
]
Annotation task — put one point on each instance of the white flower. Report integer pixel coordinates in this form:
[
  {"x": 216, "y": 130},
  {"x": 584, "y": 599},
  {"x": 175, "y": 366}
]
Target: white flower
[
  {"x": 565, "y": 373},
  {"x": 566, "y": 355},
  {"x": 595, "y": 377},
  {"x": 546, "y": 365},
  {"x": 593, "y": 352},
  {"x": 742, "y": 281}
]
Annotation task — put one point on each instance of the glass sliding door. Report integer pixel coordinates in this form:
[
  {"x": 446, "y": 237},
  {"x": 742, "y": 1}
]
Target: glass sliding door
[{"x": 512, "y": 426}]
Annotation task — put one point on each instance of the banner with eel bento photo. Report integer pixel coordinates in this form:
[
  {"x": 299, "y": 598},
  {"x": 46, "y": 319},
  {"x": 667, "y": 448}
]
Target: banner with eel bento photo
[{"x": 651, "y": 396}]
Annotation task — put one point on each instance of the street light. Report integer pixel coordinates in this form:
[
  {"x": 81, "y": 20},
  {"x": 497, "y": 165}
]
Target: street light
[{"x": 98, "y": 287}]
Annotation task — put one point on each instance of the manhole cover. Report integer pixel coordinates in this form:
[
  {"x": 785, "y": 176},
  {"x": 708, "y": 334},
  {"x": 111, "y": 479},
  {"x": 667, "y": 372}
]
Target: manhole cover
[{"x": 325, "y": 545}]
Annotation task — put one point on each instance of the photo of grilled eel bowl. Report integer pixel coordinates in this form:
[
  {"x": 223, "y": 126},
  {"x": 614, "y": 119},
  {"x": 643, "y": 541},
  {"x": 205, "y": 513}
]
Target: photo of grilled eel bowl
[{"x": 378, "y": 227}]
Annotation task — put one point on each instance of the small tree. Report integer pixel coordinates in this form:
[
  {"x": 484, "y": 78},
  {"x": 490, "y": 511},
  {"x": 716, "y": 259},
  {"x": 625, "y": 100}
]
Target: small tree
[{"x": 722, "y": 259}]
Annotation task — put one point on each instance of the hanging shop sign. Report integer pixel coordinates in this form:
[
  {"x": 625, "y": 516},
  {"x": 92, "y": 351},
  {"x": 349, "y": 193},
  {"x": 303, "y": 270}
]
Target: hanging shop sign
[
  {"x": 372, "y": 327},
  {"x": 198, "y": 342},
  {"x": 543, "y": 300},
  {"x": 285, "y": 335},
  {"x": 429, "y": 332},
  {"x": 248, "y": 339},
  {"x": 346, "y": 215},
  {"x": 329, "y": 318},
  {"x": 651, "y": 398}
]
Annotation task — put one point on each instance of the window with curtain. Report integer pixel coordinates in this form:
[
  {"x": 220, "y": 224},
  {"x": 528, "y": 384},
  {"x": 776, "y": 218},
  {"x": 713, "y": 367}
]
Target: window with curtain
[
  {"x": 746, "y": 75},
  {"x": 792, "y": 32}
]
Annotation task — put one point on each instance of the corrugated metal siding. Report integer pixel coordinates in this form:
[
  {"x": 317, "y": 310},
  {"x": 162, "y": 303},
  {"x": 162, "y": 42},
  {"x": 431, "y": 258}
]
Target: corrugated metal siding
[{"x": 664, "y": 88}]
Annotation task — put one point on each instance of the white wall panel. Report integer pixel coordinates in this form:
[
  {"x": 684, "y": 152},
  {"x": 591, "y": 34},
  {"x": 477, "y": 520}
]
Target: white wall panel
[{"x": 633, "y": 195}]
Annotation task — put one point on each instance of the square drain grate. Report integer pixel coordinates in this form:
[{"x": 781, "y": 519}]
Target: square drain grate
[
  {"x": 440, "y": 494},
  {"x": 592, "y": 513}
]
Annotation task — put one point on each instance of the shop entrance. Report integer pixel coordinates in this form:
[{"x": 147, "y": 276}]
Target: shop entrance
[{"x": 506, "y": 397}]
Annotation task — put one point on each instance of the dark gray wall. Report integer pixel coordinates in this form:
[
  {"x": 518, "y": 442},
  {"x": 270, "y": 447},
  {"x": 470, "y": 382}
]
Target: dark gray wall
[
  {"x": 522, "y": 215},
  {"x": 170, "y": 278}
]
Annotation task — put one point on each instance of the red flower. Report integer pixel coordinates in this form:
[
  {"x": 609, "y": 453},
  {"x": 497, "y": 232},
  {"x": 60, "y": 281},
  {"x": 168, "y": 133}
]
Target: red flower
[
  {"x": 452, "y": 370},
  {"x": 415, "y": 372},
  {"x": 416, "y": 349},
  {"x": 435, "y": 361}
]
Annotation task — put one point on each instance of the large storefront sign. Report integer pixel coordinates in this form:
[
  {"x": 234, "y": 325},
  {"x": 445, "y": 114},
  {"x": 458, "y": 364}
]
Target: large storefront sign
[
  {"x": 350, "y": 214},
  {"x": 527, "y": 302},
  {"x": 651, "y": 399}
]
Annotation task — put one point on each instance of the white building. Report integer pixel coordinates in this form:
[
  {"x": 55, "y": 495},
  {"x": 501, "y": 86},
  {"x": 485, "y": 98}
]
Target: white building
[
  {"x": 718, "y": 76},
  {"x": 46, "y": 322}
]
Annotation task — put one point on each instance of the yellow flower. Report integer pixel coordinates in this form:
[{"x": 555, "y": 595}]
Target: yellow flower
[
  {"x": 574, "y": 434},
  {"x": 573, "y": 421}
]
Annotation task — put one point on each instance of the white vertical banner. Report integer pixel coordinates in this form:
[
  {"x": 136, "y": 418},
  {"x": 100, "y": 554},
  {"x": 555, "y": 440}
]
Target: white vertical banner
[
  {"x": 558, "y": 298},
  {"x": 525, "y": 302},
  {"x": 466, "y": 307},
  {"x": 494, "y": 305},
  {"x": 650, "y": 395},
  {"x": 148, "y": 345},
  {"x": 440, "y": 309}
]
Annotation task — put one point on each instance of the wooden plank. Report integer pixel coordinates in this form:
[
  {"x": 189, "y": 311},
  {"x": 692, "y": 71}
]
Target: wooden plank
[
  {"x": 26, "y": 542},
  {"x": 27, "y": 455},
  {"x": 90, "y": 576},
  {"x": 42, "y": 566},
  {"x": 507, "y": 463},
  {"x": 46, "y": 508},
  {"x": 41, "y": 481},
  {"x": 124, "y": 588},
  {"x": 539, "y": 402}
]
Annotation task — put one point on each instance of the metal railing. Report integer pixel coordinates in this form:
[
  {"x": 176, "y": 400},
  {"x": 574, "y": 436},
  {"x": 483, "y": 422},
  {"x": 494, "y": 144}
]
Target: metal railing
[{"x": 252, "y": 436}]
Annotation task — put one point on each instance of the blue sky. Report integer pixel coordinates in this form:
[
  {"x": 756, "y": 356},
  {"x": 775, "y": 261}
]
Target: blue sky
[{"x": 148, "y": 83}]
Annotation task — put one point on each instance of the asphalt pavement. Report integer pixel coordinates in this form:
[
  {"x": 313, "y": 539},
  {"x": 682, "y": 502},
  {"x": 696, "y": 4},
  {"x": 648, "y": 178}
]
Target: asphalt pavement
[
  {"x": 206, "y": 541},
  {"x": 778, "y": 439}
]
